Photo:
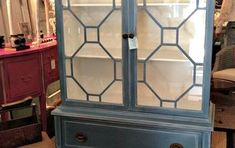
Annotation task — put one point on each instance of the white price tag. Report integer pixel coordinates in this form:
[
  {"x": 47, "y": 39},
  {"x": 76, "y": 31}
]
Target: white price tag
[
  {"x": 53, "y": 64},
  {"x": 133, "y": 43}
]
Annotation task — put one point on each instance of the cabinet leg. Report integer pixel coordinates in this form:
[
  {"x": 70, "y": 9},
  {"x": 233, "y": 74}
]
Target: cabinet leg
[{"x": 43, "y": 112}]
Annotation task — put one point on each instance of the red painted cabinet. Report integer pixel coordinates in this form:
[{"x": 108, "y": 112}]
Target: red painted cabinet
[{"x": 28, "y": 73}]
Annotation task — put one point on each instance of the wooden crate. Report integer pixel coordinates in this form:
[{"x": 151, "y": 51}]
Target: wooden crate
[
  {"x": 19, "y": 131},
  {"x": 22, "y": 135}
]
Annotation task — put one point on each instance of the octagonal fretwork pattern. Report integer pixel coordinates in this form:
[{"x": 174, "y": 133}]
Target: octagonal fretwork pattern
[
  {"x": 110, "y": 34},
  {"x": 93, "y": 68},
  {"x": 192, "y": 34},
  {"x": 149, "y": 34},
  {"x": 170, "y": 14},
  {"x": 91, "y": 13},
  {"x": 170, "y": 54},
  {"x": 169, "y": 73},
  {"x": 73, "y": 33},
  {"x": 172, "y": 69},
  {"x": 91, "y": 52}
]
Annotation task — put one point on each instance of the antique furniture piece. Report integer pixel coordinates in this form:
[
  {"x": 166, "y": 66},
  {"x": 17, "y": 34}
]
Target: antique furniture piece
[
  {"x": 28, "y": 73},
  {"x": 223, "y": 92},
  {"x": 224, "y": 71},
  {"x": 119, "y": 94},
  {"x": 225, "y": 118},
  {"x": 22, "y": 130}
]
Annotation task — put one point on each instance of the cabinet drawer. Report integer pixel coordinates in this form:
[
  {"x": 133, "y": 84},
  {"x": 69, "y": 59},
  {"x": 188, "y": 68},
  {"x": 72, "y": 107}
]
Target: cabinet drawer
[
  {"x": 23, "y": 76},
  {"x": 225, "y": 117},
  {"x": 77, "y": 134},
  {"x": 50, "y": 54}
]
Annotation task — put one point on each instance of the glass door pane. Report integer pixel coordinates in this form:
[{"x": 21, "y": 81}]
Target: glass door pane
[
  {"x": 93, "y": 50},
  {"x": 171, "y": 37}
]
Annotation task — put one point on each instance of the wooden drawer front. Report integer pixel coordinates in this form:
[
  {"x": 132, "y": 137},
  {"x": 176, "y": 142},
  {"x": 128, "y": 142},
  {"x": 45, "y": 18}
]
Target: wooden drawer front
[
  {"x": 51, "y": 72},
  {"x": 107, "y": 136},
  {"x": 24, "y": 76},
  {"x": 50, "y": 54},
  {"x": 225, "y": 117}
]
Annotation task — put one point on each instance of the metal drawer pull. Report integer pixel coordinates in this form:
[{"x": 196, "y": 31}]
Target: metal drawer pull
[
  {"x": 81, "y": 137},
  {"x": 176, "y": 145}
]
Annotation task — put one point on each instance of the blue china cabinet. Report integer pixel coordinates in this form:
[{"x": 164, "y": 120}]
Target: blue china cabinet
[{"x": 134, "y": 73}]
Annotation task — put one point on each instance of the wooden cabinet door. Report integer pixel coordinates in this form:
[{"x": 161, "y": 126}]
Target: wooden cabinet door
[{"x": 23, "y": 76}]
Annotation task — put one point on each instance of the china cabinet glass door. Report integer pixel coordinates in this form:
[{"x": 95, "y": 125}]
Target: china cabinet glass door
[
  {"x": 165, "y": 71},
  {"x": 170, "y": 56},
  {"x": 93, "y": 50}
]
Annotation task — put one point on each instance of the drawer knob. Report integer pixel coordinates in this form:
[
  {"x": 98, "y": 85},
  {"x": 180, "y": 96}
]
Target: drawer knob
[
  {"x": 176, "y": 145},
  {"x": 81, "y": 137}
]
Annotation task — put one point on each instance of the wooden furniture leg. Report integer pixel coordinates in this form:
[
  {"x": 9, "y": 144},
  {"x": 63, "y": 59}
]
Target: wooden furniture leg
[{"x": 43, "y": 111}]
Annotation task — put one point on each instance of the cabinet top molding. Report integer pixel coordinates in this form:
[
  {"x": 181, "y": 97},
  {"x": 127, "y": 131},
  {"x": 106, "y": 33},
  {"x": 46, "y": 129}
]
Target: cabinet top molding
[{"x": 9, "y": 52}]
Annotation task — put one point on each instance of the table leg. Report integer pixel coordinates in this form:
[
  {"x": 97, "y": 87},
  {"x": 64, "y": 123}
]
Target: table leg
[{"x": 43, "y": 112}]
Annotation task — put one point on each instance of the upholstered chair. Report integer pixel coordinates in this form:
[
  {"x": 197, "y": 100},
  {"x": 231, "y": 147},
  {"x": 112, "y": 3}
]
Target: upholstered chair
[{"x": 223, "y": 74}]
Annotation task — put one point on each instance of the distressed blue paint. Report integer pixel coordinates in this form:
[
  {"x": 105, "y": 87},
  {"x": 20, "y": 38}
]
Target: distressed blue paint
[{"x": 128, "y": 125}]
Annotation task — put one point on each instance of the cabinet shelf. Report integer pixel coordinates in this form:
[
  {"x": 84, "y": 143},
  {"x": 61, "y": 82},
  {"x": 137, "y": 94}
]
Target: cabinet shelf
[{"x": 167, "y": 56}]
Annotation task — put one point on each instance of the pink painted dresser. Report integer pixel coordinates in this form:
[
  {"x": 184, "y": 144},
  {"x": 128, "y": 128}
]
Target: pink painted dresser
[{"x": 28, "y": 73}]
